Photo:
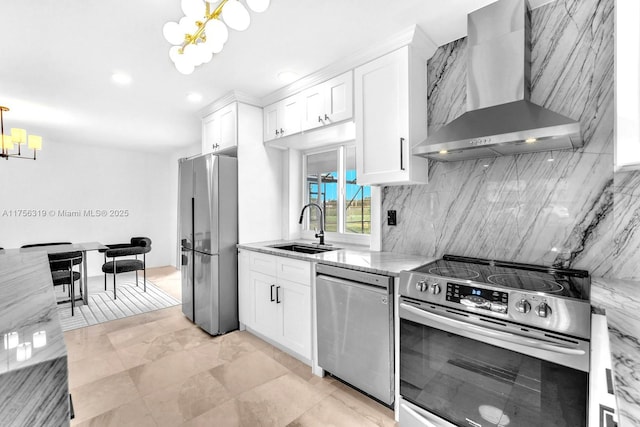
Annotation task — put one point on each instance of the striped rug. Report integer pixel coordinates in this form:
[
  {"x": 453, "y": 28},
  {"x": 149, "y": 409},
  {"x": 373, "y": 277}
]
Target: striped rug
[{"x": 102, "y": 307}]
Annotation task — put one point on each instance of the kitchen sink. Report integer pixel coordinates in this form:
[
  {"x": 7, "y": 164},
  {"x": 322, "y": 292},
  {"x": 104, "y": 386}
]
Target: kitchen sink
[{"x": 302, "y": 248}]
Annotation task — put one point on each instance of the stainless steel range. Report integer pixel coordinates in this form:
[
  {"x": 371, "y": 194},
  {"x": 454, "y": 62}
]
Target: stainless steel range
[{"x": 493, "y": 343}]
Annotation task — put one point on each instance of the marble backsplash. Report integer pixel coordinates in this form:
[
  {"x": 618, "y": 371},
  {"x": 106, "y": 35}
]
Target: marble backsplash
[
  {"x": 626, "y": 217},
  {"x": 564, "y": 208}
]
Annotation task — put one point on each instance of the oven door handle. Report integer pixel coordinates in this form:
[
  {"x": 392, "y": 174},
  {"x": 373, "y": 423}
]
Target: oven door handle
[{"x": 492, "y": 333}]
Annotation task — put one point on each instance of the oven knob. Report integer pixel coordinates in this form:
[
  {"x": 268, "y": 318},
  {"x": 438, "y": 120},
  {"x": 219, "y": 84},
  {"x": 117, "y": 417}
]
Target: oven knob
[
  {"x": 434, "y": 289},
  {"x": 523, "y": 306},
  {"x": 543, "y": 310},
  {"x": 421, "y": 286}
]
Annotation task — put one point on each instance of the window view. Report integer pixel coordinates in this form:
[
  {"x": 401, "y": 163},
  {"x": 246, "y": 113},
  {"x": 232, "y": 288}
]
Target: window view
[
  {"x": 346, "y": 205},
  {"x": 358, "y": 198},
  {"x": 322, "y": 188}
]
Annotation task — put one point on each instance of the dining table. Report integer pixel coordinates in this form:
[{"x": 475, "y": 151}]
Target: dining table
[{"x": 83, "y": 247}]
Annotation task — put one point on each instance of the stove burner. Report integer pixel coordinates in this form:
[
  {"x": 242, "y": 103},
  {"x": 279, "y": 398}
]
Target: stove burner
[
  {"x": 454, "y": 272},
  {"x": 513, "y": 280}
]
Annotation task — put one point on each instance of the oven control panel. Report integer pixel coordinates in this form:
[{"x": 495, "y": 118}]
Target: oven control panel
[
  {"x": 472, "y": 296},
  {"x": 545, "y": 311}
]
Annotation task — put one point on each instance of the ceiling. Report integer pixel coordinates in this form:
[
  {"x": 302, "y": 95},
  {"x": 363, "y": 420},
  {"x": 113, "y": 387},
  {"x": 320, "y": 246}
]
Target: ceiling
[{"x": 58, "y": 58}]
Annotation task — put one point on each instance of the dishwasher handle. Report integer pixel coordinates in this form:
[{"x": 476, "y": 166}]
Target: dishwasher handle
[{"x": 334, "y": 281}]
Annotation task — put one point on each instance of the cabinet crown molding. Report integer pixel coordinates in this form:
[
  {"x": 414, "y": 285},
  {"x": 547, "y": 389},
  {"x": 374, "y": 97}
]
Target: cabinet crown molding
[
  {"x": 413, "y": 36},
  {"x": 228, "y": 98}
]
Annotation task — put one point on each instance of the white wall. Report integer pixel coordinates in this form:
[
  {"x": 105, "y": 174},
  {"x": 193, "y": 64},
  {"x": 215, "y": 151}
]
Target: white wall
[
  {"x": 75, "y": 178},
  {"x": 292, "y": 193},
  {"x": 259, "y": 180}
]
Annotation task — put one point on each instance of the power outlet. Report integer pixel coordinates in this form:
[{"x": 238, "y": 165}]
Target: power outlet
[{"x": 391, "y": 218}]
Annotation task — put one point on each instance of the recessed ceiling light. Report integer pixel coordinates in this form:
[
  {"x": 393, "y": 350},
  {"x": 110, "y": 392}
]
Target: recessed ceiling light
[
  {"x": 121, "y": 78},
  {"x": 550, "y": 159},
  {"x": 287, "y": 76},
  {"x": 194, "y": 97}
]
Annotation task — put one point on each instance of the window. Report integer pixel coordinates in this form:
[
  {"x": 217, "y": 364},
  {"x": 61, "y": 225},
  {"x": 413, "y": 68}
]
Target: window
[{"x": 331, "y": 182}]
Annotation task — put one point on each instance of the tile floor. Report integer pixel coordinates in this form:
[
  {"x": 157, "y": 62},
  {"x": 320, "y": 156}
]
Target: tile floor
[{"x": 158, "y": 369}]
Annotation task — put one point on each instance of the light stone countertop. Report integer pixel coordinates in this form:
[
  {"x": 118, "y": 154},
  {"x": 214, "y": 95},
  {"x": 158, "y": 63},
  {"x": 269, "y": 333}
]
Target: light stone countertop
[
  {"x": 349, "y": 256},
  {"x": 33, "y": 375},
  {"x": 621, "y": 301},
  {"x": 27, "y": 306}
]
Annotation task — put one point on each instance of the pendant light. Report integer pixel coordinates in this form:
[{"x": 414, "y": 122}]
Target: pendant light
[{"x": 202, "y": 31}]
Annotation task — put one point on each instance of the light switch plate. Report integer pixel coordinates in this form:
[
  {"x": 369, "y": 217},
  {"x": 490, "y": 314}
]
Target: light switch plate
[{"x": 391, "y": 218}]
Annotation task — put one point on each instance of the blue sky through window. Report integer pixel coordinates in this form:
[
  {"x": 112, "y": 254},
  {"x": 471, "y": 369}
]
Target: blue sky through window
[{"x": 352, "y": 189}]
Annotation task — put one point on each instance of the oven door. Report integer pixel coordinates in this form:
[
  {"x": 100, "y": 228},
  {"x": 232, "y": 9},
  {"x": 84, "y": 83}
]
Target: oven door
[{"x": 473, "y": 371}]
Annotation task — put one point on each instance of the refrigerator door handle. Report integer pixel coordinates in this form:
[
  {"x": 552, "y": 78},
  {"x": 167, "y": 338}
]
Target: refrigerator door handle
[
  {"x": 186, "y": 245},
  {"x": 278, "y": 301},
  {"x": 272, "y": 299}
]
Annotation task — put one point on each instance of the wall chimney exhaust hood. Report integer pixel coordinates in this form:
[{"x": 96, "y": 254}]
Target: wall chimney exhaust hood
[{"x": 500, "y": 120}]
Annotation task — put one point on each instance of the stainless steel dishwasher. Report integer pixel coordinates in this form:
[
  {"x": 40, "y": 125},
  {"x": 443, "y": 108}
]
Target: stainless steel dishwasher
[{"x": 355, "y": 329}]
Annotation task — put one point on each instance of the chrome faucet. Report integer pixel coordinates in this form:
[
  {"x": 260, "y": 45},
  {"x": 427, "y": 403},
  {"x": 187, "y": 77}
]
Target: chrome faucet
[{"x": 321, "y": 233}]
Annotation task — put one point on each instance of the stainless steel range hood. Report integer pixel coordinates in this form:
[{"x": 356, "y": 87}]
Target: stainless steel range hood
[{"x": 500, "y": 120}]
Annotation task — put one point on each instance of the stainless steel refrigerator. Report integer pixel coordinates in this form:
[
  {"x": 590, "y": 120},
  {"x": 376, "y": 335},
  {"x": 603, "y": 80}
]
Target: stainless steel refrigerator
[{"x": 208, "y": 232}]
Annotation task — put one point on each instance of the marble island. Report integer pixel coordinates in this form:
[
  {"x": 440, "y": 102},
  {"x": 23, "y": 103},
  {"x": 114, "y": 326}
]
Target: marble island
[
  {"x": 33, "y": 358},
  {"x": 621, "y": 301}
]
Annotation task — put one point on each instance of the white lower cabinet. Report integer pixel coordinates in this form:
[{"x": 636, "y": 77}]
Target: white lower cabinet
[
  {"x": 294, "y": 317},
  {"x": 265, "y": 310},
  {"x": 278, "y": 306}
]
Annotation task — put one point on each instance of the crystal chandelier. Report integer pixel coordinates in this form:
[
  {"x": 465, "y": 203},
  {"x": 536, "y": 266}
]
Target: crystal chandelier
[
  {"x": 17, "y": 137},
  {"x": 201, "y": 32}
]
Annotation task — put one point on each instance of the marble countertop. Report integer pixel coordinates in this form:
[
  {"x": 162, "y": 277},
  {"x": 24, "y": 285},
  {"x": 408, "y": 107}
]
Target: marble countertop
[
  {"x": 621, "y": 301},
  {"x": 28, "y": 307},
  {"x": 351, "y": 256}
]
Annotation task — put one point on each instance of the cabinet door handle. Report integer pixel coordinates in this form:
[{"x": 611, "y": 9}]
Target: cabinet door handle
[
  {"x": 401, "y": 154},
  {"x": 277, "y": 133},
  {"x": 281, "y": 131},
  {"x": 272, "y": 299},
  {"x": 319, "y": 119},
  {"x": 326, "y": 117},
  {"x": 278, "y": 295}
]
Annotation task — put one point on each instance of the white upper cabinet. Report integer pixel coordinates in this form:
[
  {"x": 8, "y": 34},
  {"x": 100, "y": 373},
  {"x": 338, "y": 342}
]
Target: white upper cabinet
[
  {"x": 320, "y": 105},
  {"x": 328, "y": 103},
  {"x": 627, "y": 85},
  {"x": 312, "y": 101},
  {"x": 282, "y": 118},
  {"x": 391, "y": 118},
  {"x": 219, "y": 129}
]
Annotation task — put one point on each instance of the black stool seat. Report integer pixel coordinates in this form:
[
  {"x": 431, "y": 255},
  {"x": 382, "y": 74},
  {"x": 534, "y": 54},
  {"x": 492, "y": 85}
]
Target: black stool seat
[
  {"x": 61, "y": 277},
  {"x": 123, "y": 266}
]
